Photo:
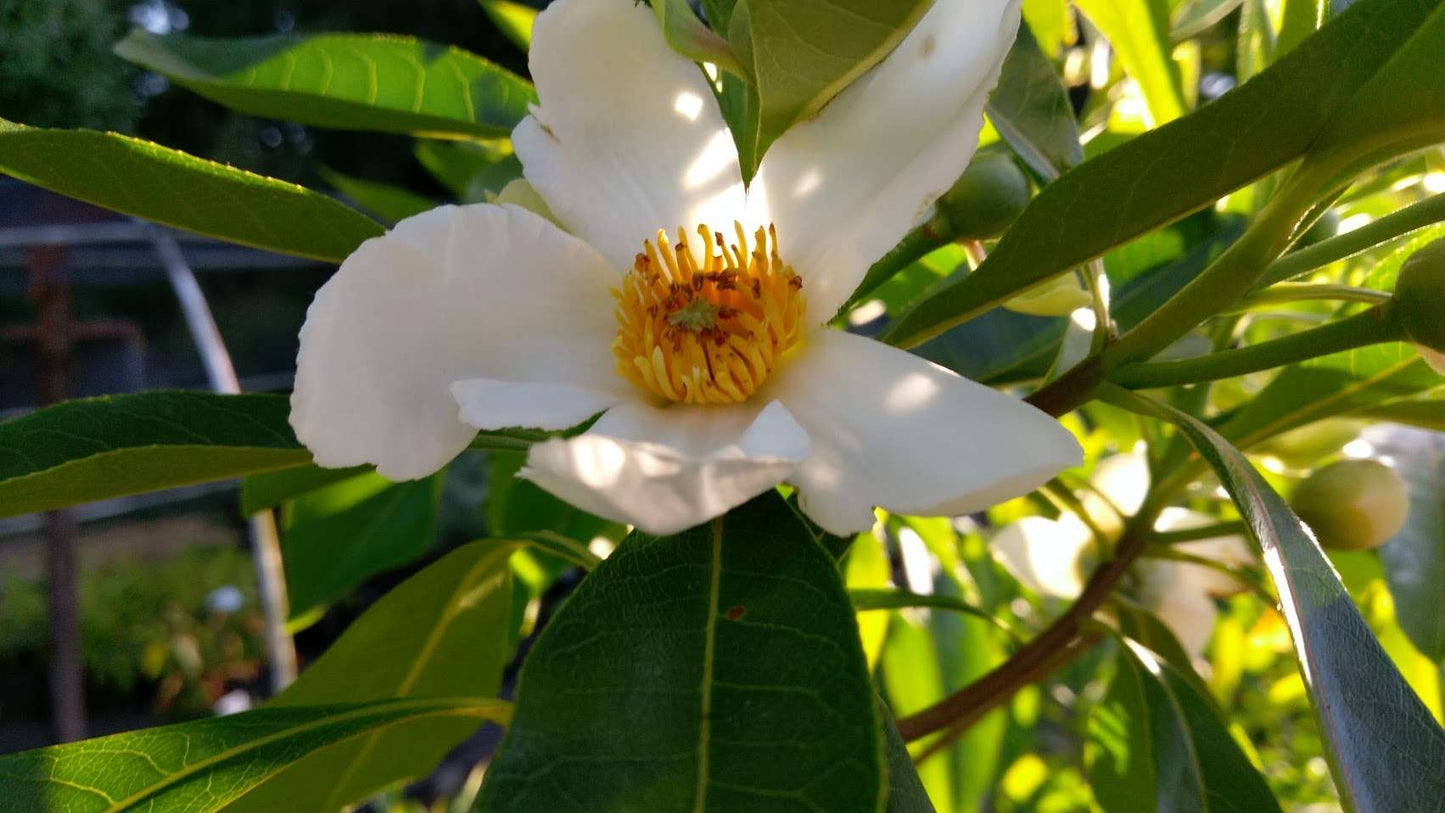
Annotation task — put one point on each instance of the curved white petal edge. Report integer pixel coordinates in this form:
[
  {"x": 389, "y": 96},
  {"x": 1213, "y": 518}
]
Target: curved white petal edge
[
  {"x": 665, "y": 471},
  {"x": 451, "y": 294}
]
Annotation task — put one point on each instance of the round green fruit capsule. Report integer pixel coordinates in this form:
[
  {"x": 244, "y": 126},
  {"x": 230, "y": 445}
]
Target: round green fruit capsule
[
  {"x": 986, "y": 199},
  {"x": 1420, "y": 297},
  {"x": 1352, "y": 504}
]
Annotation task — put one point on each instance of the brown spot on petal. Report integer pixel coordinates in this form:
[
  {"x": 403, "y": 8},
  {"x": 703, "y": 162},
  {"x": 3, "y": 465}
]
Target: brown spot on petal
[{"x": 929, "y": 44}]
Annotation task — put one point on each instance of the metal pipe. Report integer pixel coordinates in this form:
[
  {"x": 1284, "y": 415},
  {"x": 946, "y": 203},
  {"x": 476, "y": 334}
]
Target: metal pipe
[{"x": 265, "y": 541}]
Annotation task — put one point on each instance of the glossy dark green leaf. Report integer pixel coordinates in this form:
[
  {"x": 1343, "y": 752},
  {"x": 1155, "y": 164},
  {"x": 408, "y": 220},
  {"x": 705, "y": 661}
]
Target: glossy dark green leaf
[
  {"x": 206, "y": 764},
  {"x": 1031, "y": 111},
  {"x": 1004, "y": 347},
  {"x": 1401, "y": 108},
  {"x": 1414, "y": 558},
  {"x": 269, "y": 490},
  {"x": 338, "y": 536},
  {"x": 1369, "y": 716},
  {"x": 718, "y": 669},
  {"x": 1138, "y": 30},
  {"x": 95, "y": 448},
  {"x": 1155, "y": 744},
  {"x": 906, "y": 793},
  {"x": 802, "y": 53},
  {"x": 444, "y": 633},
  {"x": 1166, "y": 173},
  {"x": 387, "y": 202},
  {"x": 912, "y": 679},
  {"x": 149, "y": 181},
  {"x": 1342, "y": 382},
  {"x": 386, "y": 83}
]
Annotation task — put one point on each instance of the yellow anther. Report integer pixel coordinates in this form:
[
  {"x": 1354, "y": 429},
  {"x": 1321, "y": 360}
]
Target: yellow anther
[{"x": 708, "y": 327}]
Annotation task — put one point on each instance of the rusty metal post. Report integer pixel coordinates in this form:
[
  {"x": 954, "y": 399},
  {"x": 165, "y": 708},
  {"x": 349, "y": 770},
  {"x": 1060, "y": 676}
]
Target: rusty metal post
[{"x": 54, "y": 332}]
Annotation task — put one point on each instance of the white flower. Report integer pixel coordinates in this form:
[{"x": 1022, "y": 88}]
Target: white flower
[
  {"x": 1048, "y": 556},
  {"x": 688, "y": 311}
]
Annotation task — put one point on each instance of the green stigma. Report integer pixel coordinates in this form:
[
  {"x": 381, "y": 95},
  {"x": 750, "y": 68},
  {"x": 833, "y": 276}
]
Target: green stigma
[{"x": 697, "y": 315}]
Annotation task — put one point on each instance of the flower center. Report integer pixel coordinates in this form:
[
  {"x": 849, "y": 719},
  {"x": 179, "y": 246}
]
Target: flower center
[{"x": 709, "y": 331}]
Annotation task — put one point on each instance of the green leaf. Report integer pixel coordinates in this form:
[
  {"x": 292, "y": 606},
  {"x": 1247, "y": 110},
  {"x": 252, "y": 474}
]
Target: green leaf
[
  {"x": 1401, "y": 108},
  {"x": 386, "y": 83},
  {"x": 913, "y": 679},
  {"x": 1342, "y": 382},
  {"x": 1414, "y": 558},
  {"x": 1298, "y": 20},
  {"x": 514, "y": 20},
  {"x": 1426, "y": 413},
  {"x": 1155, "y": 744},
  {"x": 1166, "y": 173},
  {"x": 1031, "y": 110},
  {"x": 1368, "y": 714},
  {"x": 1052, "y": 22},
  {"x": 470, "y": 169},
  {"x": 906, "y": 793},
  {"x": 96, "y": 448},
  {"x": 337, "y": 537},
  {"x": 268, "y": 490},
  {"x": 206, "y": 764},
  {"x": 444, "y": 634},
  {"x": 1194, "y": 17},
  {"x": 803, "y": 53},
  {"x": 149, "y": 181},
  {"x": 692, "y": 38},
  {"x": 718, "y": 669},
  {"x": 1138, "y": 30},
  {"x": 516, "y": 507},
  {"x": 390, "y": 203}
]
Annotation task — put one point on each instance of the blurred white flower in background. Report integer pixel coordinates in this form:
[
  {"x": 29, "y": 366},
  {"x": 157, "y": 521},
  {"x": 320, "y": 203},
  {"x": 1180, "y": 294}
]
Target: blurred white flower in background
[{"x": 1053, "y": 557}]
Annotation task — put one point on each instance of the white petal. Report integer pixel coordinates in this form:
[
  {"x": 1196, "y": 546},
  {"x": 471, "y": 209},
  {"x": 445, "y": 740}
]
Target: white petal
[
  {"x": 844, "y": 186},
  {"x": 892, "y": 430},
  {"x": 1044, "y": 555},
  {"x": 666, "y": 470},
  {"x": 455, "y": 293},
  {"x": 1232, "y": 551},
  {"x": 1189, "y": 613},
  {"x": 628, "y": 138},
  {"x": 489, "y": 404},
  {"x": 1123, "y": 479}
]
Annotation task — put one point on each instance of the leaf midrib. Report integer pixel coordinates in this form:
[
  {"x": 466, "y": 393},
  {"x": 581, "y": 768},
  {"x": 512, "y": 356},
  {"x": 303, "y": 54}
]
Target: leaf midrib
[
  {"x": 428, "y": 649},
  {"x": 709, "y": 646},
  {"x": 477, "y": 707}
]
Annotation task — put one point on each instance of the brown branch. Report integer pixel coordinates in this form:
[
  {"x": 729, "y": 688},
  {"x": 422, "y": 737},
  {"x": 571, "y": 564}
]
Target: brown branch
[
  {"x": 988, "y": 703},
  {"x": 1040, "y": 656}
]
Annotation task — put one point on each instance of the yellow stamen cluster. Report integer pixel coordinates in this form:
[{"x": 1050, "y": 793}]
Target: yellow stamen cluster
[{"x": 707, "y": 331}]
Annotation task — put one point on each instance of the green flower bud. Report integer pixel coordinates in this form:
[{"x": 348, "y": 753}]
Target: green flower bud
[
  {"x": 986, "y": 199},
  {"x": 1352, "y": 504},
  {"x": 1420, "y": 302}
]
